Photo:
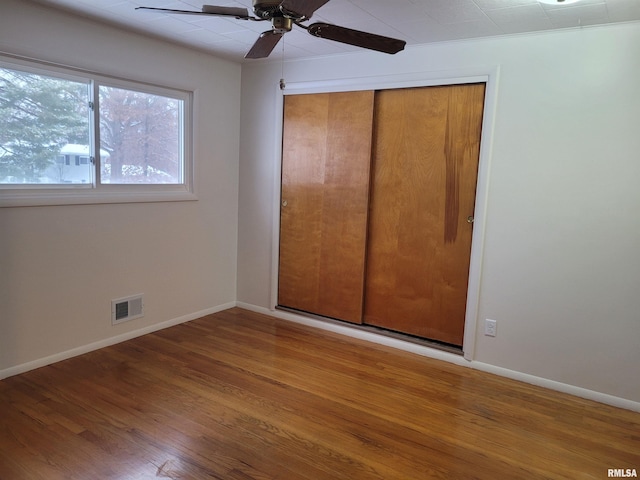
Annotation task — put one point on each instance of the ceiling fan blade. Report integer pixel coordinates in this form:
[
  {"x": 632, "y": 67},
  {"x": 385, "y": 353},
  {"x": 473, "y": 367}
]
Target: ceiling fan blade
[
  {"x": 304, "y": 8},
  {"x": 241, "y": 13},
  {"x": 357, "y": 38},
  {"x": 265, "y": 44},
  {"x": 226, "y": 11}
]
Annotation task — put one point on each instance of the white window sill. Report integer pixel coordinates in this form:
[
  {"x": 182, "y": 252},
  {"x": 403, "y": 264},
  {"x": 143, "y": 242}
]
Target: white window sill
[{"x": 13, "y": 198}]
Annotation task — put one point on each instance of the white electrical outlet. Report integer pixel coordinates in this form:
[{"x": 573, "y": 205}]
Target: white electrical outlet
[{"x": 490, "y": 327}]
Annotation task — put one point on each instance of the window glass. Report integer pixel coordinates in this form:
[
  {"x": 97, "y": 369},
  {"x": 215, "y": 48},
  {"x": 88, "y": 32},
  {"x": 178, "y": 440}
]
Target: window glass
[
  {"x": 140, "y": 137},
  {"x": 42, "y": 120}
]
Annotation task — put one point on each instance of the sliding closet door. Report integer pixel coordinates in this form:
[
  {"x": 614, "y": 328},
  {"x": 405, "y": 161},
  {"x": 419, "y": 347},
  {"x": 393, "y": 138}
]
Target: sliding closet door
[
  {"x": 325, "y": 191},
  {"x": 424, "y": 181}
]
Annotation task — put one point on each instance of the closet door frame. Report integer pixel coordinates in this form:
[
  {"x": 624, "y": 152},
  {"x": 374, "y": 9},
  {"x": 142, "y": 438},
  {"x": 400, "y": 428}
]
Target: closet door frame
[{"x": 488, "y": 75}]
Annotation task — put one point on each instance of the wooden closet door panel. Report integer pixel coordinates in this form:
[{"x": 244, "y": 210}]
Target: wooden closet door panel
[
  {"x": 424, "y": 181},
  {"x": 325, "y": 189}
]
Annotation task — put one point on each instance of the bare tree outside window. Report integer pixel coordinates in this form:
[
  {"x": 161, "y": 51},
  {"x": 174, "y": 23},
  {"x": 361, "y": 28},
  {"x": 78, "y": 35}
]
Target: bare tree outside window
[{"x": 142, "y": 135}]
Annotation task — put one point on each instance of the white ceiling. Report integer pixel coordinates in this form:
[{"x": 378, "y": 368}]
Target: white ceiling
[{"x": 416, "y": 21}]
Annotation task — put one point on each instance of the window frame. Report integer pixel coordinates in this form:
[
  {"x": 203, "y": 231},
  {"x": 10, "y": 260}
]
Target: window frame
[{"x": 96, "y": 192}]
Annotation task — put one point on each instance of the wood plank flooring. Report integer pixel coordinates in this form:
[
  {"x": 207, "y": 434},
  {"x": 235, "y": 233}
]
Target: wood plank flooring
[{"x": 240, "y": 396}]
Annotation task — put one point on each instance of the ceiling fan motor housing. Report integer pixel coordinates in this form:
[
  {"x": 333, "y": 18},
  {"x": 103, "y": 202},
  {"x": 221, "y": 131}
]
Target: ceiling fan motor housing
[{"x": 267, "y": 9}]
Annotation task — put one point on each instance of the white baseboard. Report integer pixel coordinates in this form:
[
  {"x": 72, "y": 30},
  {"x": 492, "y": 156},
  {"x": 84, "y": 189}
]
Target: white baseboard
[
  {"x": 449, "y": 357},
  {"x": 559, "y": 386},
  {"x": 41, "y": 362}
]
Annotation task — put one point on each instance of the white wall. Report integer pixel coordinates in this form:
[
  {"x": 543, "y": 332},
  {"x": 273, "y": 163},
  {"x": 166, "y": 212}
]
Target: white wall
[
  {"x": 60, "y": 266},
  {"x": 560, "y": 271}
]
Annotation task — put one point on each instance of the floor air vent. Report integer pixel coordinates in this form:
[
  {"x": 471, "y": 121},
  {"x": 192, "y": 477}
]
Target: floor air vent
[{"x": 125, "y": 309}]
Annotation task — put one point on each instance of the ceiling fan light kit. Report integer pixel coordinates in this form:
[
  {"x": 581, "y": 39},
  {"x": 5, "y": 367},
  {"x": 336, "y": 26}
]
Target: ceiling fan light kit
[{"x": 283, "y": 14}]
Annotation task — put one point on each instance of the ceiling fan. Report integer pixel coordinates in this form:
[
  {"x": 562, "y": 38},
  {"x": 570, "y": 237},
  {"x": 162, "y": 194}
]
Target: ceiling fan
[{"x": 283, "y": 14}]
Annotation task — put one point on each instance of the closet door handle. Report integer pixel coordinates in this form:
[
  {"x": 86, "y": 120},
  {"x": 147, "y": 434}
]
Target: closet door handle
[{"x": 284, "y": 203}]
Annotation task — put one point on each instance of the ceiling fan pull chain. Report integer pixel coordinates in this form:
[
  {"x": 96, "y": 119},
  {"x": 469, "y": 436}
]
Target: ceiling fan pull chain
[{"x": 283, "y": 84}]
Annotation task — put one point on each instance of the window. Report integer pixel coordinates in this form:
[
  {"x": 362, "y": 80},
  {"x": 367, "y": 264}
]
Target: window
[{"x": 73, "y": 137}]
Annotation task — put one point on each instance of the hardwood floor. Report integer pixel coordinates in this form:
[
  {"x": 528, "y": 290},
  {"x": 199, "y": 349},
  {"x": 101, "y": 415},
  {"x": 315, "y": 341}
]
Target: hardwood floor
[{"x": 239, "y": 396}]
